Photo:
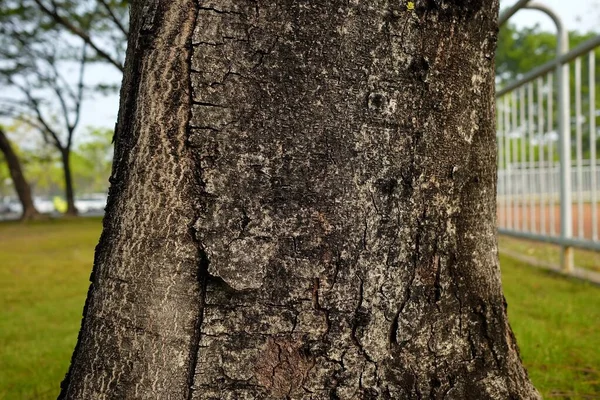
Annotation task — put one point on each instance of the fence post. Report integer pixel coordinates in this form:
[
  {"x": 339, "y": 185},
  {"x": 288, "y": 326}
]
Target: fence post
[{"x": 564, "y": 132}]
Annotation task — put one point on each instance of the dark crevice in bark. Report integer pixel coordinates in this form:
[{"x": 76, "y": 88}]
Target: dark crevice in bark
[
  {"x": 481, "y": 311},
  {"x": 472, "y": 348},
  {"x": 451, "y": 384},
  {"x": 204, "y": 262},
  {"x": 263, "y": 53},
  {"x": 218, "y": 11},
  {"x": 437, "y": 284},
  {"x": 203, "y": 104},
  {"x": 208, "y": 128},
  {"x": 203, "y": 278},
  {"x": 214, "y": 44},
  {"x": 416, "y": 256},
  {"x": 435, "y": 384},
  {"x": 451, "y": 267},
  {"x": 359, "y": 319},
  {"x": 393, "y": 339}
]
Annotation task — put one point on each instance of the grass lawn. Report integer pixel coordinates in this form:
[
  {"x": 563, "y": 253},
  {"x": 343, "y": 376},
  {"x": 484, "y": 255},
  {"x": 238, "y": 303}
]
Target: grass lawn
[
  {"x": 44, "y": 271},
  {"x": 550, "y": 253},
  {"x": 44, "y": 275},
  {"x": 557, "y": 324}
]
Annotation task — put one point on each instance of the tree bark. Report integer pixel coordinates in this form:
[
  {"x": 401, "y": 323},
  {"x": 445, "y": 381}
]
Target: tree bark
[
  {"x": 65, "y": 156},
  {"x": 302, "y": 207},
  {"x": 16, "y": 173}
]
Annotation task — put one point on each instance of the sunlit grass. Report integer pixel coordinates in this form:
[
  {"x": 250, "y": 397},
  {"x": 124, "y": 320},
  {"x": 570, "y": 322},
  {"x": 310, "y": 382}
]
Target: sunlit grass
[
  {"x": 44, "y": 275},
  {"x": 550, "y": 253},
  {"x": 557, "y": 324},
  {"x": 44, "y": 271}
]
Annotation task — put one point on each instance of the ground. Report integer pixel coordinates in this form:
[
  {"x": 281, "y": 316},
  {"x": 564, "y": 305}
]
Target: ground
[
  {"x": 547, "y": 253},
  {"x": 544, "y": 218},
  {"x": 44, "y": 272}
]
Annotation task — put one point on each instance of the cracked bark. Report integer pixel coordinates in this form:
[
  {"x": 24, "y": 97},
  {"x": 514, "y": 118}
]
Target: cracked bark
[{"x": 302, "y": 207}]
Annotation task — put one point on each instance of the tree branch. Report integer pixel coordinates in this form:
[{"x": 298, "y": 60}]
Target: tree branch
[
  {"x": 79, "y": 98},
  {"x": 35, "y": 106},
  {"x": 56, "y": 88},
  {"x": 77, "y": 31},
  {"x": 114, "y": 18}
]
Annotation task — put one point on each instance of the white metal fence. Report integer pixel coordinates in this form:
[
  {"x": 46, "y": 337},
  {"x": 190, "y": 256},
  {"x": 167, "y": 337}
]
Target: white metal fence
[
  {"x": 548, "y": 173},
  {"x": 544, "y": 181}
]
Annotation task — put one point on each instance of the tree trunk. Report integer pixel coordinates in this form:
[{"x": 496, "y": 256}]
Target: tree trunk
[
  {"x": 302, "y": 207},
  {"x": 65, "y": 155},
  {"x": 16, "y": 173}
]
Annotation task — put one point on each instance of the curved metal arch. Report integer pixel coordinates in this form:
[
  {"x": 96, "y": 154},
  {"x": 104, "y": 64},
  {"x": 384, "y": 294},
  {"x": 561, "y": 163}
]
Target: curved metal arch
[{"x": 564, "y": 129}]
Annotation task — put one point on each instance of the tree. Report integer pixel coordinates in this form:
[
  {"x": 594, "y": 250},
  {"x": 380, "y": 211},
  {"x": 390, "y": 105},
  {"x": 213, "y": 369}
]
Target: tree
[
  {"x": 16, "y": 173},
  {"x": 40, "y": 70},
  {"x": 302, "y": 206},
  {"x": 42, "y": 166},
  {"x": 521, "y": 50},
  {"x": 101, "y": 24},
  {"x": 92, "y": 160}
]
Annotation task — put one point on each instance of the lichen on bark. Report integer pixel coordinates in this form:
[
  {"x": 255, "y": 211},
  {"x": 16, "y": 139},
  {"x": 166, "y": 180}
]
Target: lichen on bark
[{"x": 321, "y": 223}]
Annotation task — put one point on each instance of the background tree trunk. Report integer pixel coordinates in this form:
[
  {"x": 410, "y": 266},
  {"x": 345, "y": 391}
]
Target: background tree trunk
[
  {"x": 303, "y": 206},
  {"x": 16, "y": 173},
  {"x": 65, "y": 155}
]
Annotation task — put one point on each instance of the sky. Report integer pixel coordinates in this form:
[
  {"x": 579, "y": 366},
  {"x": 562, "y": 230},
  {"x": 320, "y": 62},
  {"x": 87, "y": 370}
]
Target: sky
[{"x": 582, "y": 15}]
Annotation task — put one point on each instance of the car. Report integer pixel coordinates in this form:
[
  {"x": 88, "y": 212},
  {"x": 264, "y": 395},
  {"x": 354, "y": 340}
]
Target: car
[
  {"x": 44, "y": 205},
  {"x": 89, "y": 204},
  {"x": 4, "y": 207}
]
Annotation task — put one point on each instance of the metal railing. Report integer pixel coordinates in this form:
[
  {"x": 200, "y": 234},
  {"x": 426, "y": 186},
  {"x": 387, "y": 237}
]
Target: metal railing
[{"x": 548, "y": 175}]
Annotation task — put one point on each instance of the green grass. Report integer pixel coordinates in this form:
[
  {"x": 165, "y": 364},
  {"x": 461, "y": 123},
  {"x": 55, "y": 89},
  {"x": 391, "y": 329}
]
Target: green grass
[
  {"x": 557, "y": 324},
  {"x": 44, "y": 271},
  {"x": 44, "y": 275},
  {"x": 549, "y": 253}
]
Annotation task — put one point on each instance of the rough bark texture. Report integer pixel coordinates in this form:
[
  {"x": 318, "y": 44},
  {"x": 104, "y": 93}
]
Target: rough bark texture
[
  {"x": 16, "y": 173},
  {"x": 302, "y": 207}
]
